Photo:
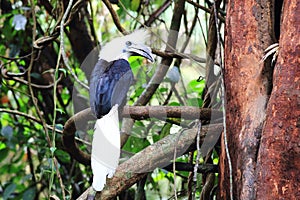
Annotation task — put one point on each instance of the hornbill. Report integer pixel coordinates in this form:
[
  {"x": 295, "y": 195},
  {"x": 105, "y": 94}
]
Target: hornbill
[{"x": 109, "y": 84}]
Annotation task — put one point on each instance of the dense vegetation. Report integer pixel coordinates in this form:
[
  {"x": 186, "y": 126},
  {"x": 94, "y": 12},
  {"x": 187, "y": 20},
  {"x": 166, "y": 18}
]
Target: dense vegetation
[{"x": 45, "y": 71}]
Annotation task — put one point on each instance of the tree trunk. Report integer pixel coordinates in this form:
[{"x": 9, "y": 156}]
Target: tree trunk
[
  {"x": 278, "y": 166},
  {"x": 263, "y": 134},
  {"x": 249, "y": 31}
]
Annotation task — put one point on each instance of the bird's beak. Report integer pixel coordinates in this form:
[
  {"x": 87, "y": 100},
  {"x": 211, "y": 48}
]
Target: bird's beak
[{"x": 141, "y": 50}]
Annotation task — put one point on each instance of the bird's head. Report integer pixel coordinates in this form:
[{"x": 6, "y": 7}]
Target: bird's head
[{"x": 126, "y": 46}]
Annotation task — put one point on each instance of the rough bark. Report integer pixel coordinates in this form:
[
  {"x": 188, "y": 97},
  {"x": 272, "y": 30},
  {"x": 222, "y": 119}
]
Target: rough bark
[
  {"x": 156, "y": 155},
  {"x": 279, "y": 154},
  {"x": 247, "y": 82}
]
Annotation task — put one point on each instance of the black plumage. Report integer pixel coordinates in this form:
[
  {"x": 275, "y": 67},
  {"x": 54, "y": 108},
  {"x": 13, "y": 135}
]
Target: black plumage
[{"x": 109, "y": 84}]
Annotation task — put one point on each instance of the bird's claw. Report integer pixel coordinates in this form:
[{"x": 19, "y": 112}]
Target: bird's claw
[{"x": 272, "y": 49}]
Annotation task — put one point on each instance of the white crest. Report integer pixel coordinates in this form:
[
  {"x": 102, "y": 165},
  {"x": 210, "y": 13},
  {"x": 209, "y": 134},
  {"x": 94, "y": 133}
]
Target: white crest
[{"x": 115, "y": 47}]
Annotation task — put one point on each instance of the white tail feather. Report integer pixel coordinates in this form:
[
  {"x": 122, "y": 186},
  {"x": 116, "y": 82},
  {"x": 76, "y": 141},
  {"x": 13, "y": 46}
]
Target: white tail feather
[{"x": 105, "y": 148}]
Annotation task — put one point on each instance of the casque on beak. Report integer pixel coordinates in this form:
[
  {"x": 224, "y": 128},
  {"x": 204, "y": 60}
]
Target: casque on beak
[{"x": 140, "y": 49}]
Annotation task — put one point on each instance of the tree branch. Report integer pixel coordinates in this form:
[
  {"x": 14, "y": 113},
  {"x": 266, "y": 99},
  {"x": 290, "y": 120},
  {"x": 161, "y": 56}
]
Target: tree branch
[
  {"x": 115, "y": 17},
  {"x": 203, "y": 168},
  {"x": 156, "y": 155},
  {"x": 158, "y": 12},
  {"x": 170, "y": 55},
  {"x": 161, "y": 69},
  {"x": 134, "y": 112},
  {"x": 162, "y": 112},
  {"x": 30, "y": 117},
  {"x": 222, "y": 19}
]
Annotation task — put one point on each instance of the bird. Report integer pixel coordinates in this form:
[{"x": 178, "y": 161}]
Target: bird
[{"x": 109, "y": 83}]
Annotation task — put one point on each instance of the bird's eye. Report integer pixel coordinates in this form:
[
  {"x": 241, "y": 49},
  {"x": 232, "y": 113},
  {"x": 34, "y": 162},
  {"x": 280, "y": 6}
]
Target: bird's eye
[{"x": 128, "y": 43}]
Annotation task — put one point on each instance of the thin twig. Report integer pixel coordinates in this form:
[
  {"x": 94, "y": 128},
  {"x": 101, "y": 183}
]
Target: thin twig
[
  {"x": 161, "y": 70},
  {"x": 158, "y": 12},
  {"x": 30, "y": 117},
  {"x": 18, "y": 58},
  {"x": 62, "y": 52},
  {"x": 15, "y": 76},
  {"x": 174, "y": 162},
  {"x": 175, "y": 54},
  {"x": 34, "y": 100},
  {"x": 33, "y": 97},
  {"x": 170, "y": 51},
  {"x": 205, "y": 9},
  {"x": 197, "y": 158},
  {"x": 62, "y": 47}
]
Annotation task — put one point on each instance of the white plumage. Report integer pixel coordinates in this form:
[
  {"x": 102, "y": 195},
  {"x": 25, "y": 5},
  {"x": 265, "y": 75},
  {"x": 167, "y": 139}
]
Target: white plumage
[
  {"x": 116, "y": 46},
  {"x": 105, "y": 148},
  {"x": 108, "y": 76}
]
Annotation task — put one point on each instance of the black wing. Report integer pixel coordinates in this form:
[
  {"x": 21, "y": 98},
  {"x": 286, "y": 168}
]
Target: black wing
[{"x": 109, "y": 84}]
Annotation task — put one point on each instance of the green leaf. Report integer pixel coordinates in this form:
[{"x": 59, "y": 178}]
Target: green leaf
[
  {"x": 59, "y": 126},
  {"x": 135, "y": 63},
  {"x": 2, "y": 146},
  {"x": 195, "y": 86},
  {"x": 62, "y": 156},
  {"x": 138, "y": 92},
  {"x": 9, "y": 190},
  {"x": 135, "y": 5},
  {"x": 35, "y": 75},
  {"x": 29, "y": 194},
  {"x": 174, "y": 104},
  {"x": 163, "y": 133},
  {"x": 63, "y": 71},
  {"x": 163, "y": 90},
  {"x": 195, "y": 102},
  {"x": 135, "y": 144},
  {"x": 3, "y": 154},
  {"x": 52, "y": 149},
  {"x": 7, "y": 132},
  {"x": 61, "y": 111}
]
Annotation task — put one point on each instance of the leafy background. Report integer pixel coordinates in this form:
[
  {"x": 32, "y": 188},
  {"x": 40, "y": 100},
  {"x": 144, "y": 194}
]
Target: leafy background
[{"x": 28, "y": 169}]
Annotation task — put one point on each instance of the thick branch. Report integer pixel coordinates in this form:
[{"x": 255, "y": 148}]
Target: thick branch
[
  {"x": 135, "y": 112},
  {"x": 156, "y": 155},
  {"x": 162, "y": 112},
  {"x": 69, "y": 136}
]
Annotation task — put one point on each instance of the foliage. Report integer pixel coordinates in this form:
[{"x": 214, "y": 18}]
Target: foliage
[{"x": 31, "y": 152}]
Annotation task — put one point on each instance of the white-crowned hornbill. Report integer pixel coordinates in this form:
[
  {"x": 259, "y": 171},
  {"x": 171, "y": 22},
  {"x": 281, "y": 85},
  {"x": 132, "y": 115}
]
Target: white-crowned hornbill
[{"x": 109, "y": 84}]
